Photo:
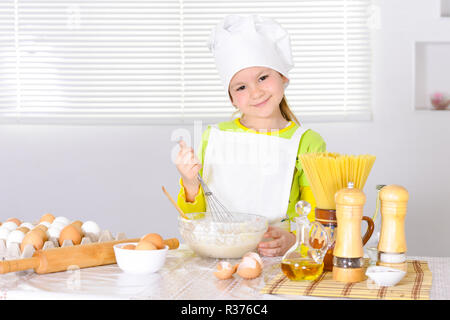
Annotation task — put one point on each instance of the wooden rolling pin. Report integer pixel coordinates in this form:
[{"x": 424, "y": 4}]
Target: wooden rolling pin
[{"x": 82, "y": 256}]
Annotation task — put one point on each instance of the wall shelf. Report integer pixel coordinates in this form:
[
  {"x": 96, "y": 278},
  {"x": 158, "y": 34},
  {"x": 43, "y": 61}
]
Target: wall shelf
[{"x": 431, "y": 72}]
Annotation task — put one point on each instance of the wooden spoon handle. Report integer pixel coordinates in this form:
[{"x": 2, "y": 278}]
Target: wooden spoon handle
[
  {"x": 173, "y": 243},
  {"x": 174, "y": 203}
]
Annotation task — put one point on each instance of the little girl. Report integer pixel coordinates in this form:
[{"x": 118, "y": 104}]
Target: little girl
[{"x": 251, "y": 163}]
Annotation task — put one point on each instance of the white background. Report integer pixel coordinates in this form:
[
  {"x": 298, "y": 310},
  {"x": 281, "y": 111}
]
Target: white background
[{"x": 113, "y": 174}]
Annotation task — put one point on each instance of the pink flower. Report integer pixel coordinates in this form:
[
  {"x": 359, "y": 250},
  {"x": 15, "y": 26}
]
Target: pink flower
[
  {"x": 439, "y": 100},
  {"x": 437, "y": 96}
]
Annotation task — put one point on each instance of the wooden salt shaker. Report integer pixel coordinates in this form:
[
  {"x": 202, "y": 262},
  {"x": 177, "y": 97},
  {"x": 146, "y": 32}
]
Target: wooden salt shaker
[
  {"x": 348, "y": 251},
  {"x": 392, "y": 243}
]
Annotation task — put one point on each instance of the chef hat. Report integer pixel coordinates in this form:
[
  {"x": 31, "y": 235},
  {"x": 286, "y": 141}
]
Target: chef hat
[{"x": 239, "y": 42}]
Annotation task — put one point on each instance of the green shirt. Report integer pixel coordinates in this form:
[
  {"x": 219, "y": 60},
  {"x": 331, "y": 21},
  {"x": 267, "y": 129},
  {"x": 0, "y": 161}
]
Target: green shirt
[{"x": 310, "y": 141}]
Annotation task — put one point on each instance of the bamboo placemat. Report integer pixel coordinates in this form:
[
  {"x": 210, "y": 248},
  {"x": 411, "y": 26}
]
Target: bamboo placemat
[{"x": 416, "y": 285}]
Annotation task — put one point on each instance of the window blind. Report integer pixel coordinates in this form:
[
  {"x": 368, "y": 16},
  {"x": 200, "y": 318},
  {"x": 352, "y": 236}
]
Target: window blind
[{"x": 146, "y": 61}]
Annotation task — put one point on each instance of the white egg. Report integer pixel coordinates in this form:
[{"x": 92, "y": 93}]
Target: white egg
[
  {"x": 46, "y": 223},
  {"x": 4, "y": 232},
  {"x": 15, "y": 236},
  {"x": 53, "y": 232},
  {"x": 10, "y": 225},
  {"x": 90, "y": 228},
  {"x": 57, "y": 225},
  {"x": 28, "y": 225},
  {"x": 62, "y": 220}
]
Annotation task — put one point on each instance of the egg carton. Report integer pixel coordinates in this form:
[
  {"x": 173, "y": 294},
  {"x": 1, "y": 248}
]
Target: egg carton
[{"x": 11, "y": 251}]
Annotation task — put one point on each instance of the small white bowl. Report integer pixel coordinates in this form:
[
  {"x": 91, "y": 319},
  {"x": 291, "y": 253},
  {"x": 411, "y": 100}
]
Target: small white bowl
[
  {"x": 385, "y": 276},
  {"x": 139, "y": 261}
]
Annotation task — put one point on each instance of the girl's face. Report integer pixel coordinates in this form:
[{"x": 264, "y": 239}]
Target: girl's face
[{"x": 257, "y": 92}]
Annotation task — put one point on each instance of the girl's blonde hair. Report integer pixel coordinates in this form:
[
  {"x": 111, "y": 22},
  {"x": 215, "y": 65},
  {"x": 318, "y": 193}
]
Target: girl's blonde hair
[{"x": 286, "y": 112}]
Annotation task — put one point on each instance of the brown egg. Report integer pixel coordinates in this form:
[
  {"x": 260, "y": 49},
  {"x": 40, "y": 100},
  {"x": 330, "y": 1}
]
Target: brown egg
[
  {"x": 145, "y": 245},
  {"x": 41, "y": 230},
  {"x": 154, "y": 238},
  {"x": 23, "y": 229},
  {"x": 48, "y": 217},
  {"x": 249, "y": 268},
  {"x": 15, "y": 220},
  {"x": 41, "y": 227},
  {"x": 225, "y": 270},
  {"x": 70, "y": 232},
  {"x": 33, "y": 238},
  {"x": 129, "y": 246},
  {"x": 77, "y": 223}
]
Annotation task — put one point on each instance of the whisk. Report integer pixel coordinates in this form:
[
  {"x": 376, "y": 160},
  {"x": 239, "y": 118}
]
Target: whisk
[{"x": 218, "y": 211}]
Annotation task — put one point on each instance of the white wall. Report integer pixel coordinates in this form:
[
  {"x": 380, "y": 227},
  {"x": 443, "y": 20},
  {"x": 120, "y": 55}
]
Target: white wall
[{"x": 113, "y": 175}]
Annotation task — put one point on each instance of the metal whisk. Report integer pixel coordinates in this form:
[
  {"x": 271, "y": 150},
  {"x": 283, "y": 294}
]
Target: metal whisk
[{"x": 218, "y": 211}]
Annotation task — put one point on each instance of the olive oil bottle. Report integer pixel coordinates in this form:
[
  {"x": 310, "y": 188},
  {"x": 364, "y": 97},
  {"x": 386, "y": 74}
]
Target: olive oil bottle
[
  {"x": 299, "y": 269},
  {"x": 304, "y": 260}
]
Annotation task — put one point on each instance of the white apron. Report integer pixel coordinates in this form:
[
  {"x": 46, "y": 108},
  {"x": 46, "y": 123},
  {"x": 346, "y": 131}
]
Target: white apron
[{"x": 250, "y": 172}]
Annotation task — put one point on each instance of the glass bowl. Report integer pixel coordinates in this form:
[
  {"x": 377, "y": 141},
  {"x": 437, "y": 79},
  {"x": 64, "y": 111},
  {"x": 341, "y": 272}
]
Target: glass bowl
[{"x": 223, "y": 240}]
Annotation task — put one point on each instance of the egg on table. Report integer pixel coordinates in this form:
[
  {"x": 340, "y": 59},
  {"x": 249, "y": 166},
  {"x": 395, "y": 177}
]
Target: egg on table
[
  {"x": 225, "y": 270},
  {"x": 255, "y": 256},
  {"x": 249, "y": 268}
]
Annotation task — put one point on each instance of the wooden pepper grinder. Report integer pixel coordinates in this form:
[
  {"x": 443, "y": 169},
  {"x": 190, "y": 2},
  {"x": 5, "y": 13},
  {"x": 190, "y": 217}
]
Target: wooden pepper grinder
[
  {"x": 392, "y": 243},
  {"x": 348, "y": 251}
]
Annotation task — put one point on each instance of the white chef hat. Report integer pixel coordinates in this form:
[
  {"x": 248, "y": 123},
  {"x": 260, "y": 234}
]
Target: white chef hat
[{"x": 239, "y": 42}]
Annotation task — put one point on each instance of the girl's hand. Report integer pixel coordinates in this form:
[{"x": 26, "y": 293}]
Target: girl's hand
[
  {"x": 188, "y": 165},
  {"x": 282, "y": 241}
]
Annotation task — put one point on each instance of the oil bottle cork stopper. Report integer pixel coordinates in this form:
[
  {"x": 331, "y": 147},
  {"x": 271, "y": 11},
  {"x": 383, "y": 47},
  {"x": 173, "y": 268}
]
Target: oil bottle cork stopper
[
  {"x": 350, "y": 196},
  {"x": 394, "y": 193}
]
